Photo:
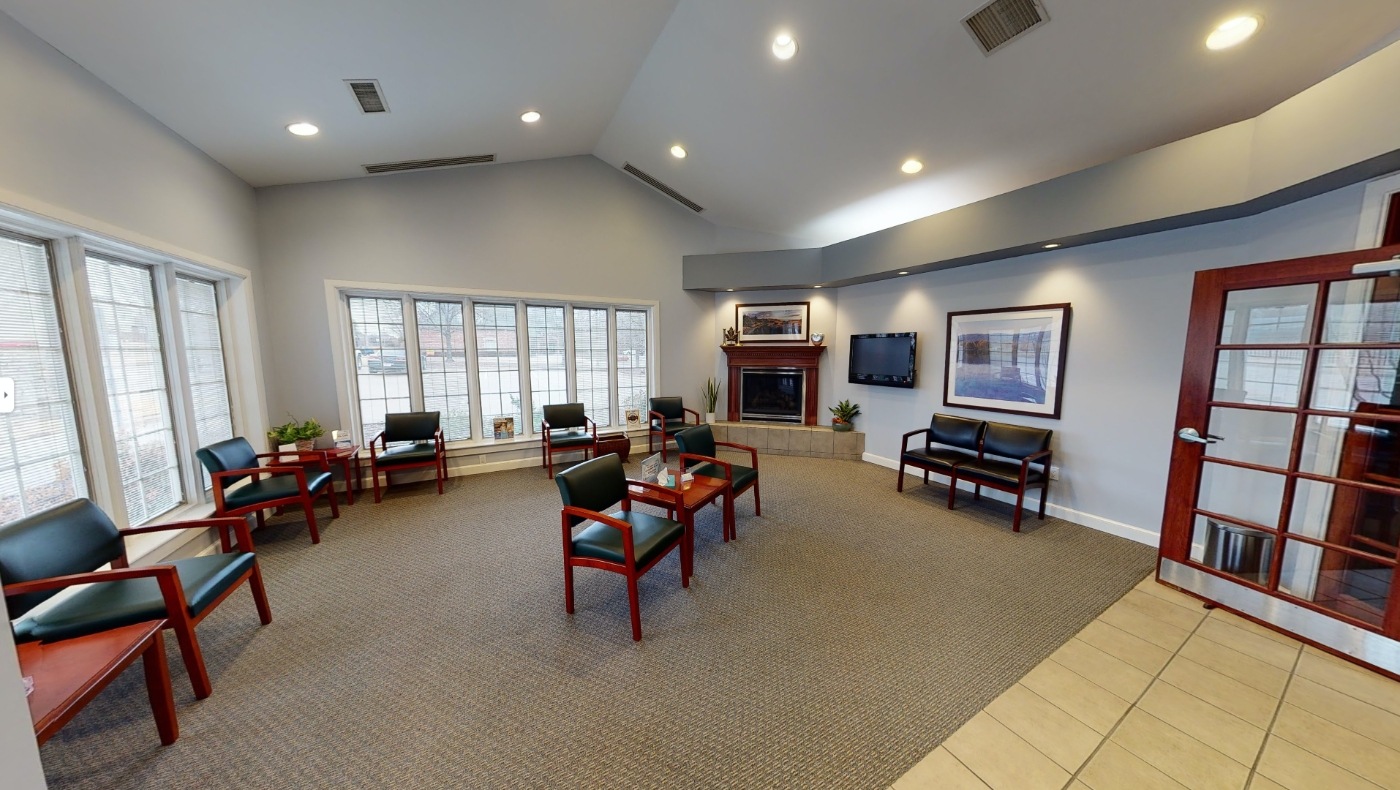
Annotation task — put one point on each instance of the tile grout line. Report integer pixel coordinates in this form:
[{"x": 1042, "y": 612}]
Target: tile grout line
[
  {"x": 1133, "y": 706},
  {"x": 1269, "y": 732},
  {"x": 965, "y": 766}
]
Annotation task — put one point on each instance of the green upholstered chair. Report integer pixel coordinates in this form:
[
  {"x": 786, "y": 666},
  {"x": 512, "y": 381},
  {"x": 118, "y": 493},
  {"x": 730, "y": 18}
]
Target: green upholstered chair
[
  {"x": 667, "y": 418},
  {"x": 65, "y": 545},
  {"x": 417, "y": 442},
  {"x": 565, "y": 428},
  {"x": 698, "y": 456},
  {"x": 268, "y": 486},
  {"x": 623, "y": 541},
  {"x": 1013, "y": 458},
  {"x": 948, "y": 441}
]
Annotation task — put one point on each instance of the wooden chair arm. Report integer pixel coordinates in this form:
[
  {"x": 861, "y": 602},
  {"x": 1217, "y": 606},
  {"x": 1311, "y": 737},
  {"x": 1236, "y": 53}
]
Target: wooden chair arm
[
  {"x": 254, "y": 472},
  {"x": 91, "y": 577},
  {"x": 592, "y": 427},
  {"x": 593, "y": 515},
  {"x": 1034, "y": 456},
  {"x": 379, "y": 437},
  {"x": 656, "y": 415},
  {"x": 904, "y": 444},
  {"x": 753, "y": 452},
  {"x": 725, "y": 465},
  {"x": 238, "y": 525},
  {"x": 690, "y": 411},
  {"x": 670, "y": 493}
]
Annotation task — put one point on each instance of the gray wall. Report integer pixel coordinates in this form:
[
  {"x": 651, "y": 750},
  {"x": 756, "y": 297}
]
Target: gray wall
[
  {"x": 1130, "y": 301},
  {"x": 570, "y": 226}
]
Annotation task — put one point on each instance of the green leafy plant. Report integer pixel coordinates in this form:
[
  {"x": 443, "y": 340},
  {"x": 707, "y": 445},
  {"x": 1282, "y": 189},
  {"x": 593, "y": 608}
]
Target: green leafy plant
[
  {"x": 710, "y": 395},
  {"x": 845, "y": 411},
  {"x": 294, "y": 431}
]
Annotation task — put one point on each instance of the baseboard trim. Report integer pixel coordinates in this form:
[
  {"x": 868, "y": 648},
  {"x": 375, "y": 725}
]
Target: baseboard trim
[{"x": 1032, "y": 503}]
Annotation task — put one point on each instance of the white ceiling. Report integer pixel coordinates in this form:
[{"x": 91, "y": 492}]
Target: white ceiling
[{"x": 808, "y": 149}]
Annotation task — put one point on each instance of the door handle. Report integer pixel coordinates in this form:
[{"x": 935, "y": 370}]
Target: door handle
[{"x": 1190, "y": 435}]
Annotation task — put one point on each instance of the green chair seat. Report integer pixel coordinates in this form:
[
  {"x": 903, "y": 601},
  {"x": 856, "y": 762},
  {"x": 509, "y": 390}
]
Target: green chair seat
[
  {"x": 272, "y": 488},
  {"x": 417, "y": 453},
  {"x": 114, "y": 604},
  {"x": 651, "y": 536},
  {"x": 558, "y": 439},
  {"x": 743, "y": 475},
  {"x": 994, "y": 473},
  {"x": 936, "y": 458}
]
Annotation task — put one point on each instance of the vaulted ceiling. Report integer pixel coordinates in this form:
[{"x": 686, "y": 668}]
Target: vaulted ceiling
[{"x": 807, "y": 149}]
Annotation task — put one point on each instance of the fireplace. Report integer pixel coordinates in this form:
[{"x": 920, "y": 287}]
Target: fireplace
[
  {"x": 793, "y": 361},
  {"x": 771, "y": 394}
]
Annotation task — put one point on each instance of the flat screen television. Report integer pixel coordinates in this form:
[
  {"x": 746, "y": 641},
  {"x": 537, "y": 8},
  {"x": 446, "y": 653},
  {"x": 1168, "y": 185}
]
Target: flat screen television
[{"x": 884, "y": 359}]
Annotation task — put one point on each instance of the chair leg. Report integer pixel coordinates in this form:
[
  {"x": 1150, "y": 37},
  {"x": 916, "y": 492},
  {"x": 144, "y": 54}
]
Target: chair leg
[
  {"x": 441, "y": 472},
  {"x": 158, "y": 690},
  {"x": 757, "y": 503},
  {"x": 1016, "y": 518},
  {"x": 330, "y": 494},
  {"x": 899, "y": 483},
  {"x": 375, "y": 474},
  {"x": 1044, "y": 495},
  {"x": 952, "y": 491},
  {"x": 925, "y": 477},
  {"x": 194, "y": 658},
  {"x": 225, "y": 544},
  {"x": 310, "y": 511},
  {"x": 255, "y": 583},
  {"x": 262, "y": 519},
  {"x": 977, "y": 493},
  {"x": 636, "y": 608},
  {"x": 568, "y": 586}
]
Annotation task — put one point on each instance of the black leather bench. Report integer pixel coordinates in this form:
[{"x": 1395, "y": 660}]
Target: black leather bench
[{"x": 1010, "y": 458}]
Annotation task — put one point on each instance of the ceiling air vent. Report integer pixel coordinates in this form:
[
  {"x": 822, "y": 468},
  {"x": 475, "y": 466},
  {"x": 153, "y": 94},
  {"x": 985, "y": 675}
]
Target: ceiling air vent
[
  {"x": 369, "y": 96},
  {"x": 429, "y": 164},
  {"x": 1002, "y": 21},
  {"x": 662, "y": 188}
]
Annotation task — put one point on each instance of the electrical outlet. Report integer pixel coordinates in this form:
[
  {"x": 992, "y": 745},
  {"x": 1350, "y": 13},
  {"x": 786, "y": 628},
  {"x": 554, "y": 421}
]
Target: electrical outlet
[{"x": 1054, "y": 473}]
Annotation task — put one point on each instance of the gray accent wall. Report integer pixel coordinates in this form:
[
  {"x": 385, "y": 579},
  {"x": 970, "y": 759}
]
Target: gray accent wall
[{"x": 570, "y": 226}]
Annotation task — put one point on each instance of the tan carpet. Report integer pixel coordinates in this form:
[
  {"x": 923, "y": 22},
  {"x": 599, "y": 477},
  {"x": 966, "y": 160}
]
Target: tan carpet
[{"x": 424, "y": 644}]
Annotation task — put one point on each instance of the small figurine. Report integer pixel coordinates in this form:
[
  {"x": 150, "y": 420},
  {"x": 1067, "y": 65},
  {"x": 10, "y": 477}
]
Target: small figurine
[{"x": 731, "y": 337}]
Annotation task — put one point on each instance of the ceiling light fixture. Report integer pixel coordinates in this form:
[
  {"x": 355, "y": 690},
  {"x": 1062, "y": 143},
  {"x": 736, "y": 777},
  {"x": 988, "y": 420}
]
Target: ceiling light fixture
[
  {"x": 1051, "y": 246},
  {"x": 678, "y": 152},
  {"x": 303, "y": 129},
  {"x": 784, "y": 46},
  {"x": 530, "y": 117},
  {"x": 912, "y": 166},
  {"x": 816, "y": 286},
  {"x": 903, "y": 273},
  {"x": 1232, "y": 32}
]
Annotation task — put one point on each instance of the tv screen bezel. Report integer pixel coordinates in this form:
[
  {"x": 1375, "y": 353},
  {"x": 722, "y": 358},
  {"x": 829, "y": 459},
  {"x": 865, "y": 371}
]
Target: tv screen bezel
[{"x": 902, "y": 382}]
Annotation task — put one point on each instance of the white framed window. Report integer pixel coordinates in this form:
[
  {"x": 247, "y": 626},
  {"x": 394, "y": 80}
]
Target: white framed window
[
  {"x": 41, "y": 456},
  {"x": 442, "y": 366},
  {"x": 633, "y": 389},
  {"x": 498, "y": 364},
  {"x": 205, "y": 372},
  {"x": 549, "y": 366},
  {"x": 591, "y": 366},
  {"x": 381, "y": 361}
]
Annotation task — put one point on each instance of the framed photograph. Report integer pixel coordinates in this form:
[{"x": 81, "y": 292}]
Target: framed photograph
[
  {"x": 503, "y": 427},
  {"x": 1010, "y": 360},
  {"x": 633, "y": 419},
  {"x": 775, "y": 322}
]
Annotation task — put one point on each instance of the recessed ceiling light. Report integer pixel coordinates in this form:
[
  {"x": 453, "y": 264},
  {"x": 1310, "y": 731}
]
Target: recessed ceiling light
[
  {"x": 816, "y": 286},
  {"x": 303, "y": 129},
  {"x": 784, "y": 46},
  {"x": 1232, "y": 32},
  {"x": 678, "y": 152},
  {"x": 530, "y": 117},
  {"x": 1051, "y": 246},
  {"x": 903, "y": 273},
  {"x": 912, "y": 166}
]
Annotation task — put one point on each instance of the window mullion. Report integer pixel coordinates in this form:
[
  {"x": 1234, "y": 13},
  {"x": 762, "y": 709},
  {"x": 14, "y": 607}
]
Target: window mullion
[
  {"x": 478, "y": 404},
  {"x": 522, "y": 351},
  {"x": 571, "y": 369},
  {"x": 413, "y": 356},
  {"x": 614, "y": 402},
  {"x": 170, "y": 324}
]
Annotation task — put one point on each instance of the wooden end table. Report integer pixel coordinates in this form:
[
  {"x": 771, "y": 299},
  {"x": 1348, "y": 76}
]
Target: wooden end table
[
  {"x": 345, "y": 458},
  {"x": 695, "y": 494},
  {"x": 70, "y": 672}
]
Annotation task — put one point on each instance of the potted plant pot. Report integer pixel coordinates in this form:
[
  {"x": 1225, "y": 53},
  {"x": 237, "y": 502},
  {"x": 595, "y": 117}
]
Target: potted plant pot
[
  {"x": 843, "y": 416},
  {"x": 841, "y": 426}
]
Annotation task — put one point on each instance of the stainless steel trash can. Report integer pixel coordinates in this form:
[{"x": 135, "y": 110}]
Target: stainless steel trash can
[{"x": 1239, "y": 550}]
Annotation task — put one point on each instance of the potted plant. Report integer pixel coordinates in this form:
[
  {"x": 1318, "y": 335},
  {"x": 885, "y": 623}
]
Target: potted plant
[
  {"x": 710, "y": 395},
  {"x": 302, "y": 434},
  {"x": 843, "y": 415}
]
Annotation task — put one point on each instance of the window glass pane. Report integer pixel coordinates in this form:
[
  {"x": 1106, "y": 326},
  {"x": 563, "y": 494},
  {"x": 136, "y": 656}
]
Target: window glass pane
[
  {"x": 498, "y": 365},
  {"x": 442, "y": 351},
  {"x": 591, "y": 362},
  {"x": 41, "y": 461},
  {"x": 632, "y": 362},
  {"x": 1252, "y": 437},
  {"x": 1259, "y": 376},
  {"x": 381, "y": 361},
  {"x": 549, "y": 374},
  {"x": 1349, "y": 377},
  {"x": 204, "y": 356},
  {"x": 1245, "y": 494},
  {"x": 1281, "y": 314},
  {"x": 128, "y": 334},
  {"x": 1366, "y": 450},
  {"x": 1354, "y": 586},
  {"x": 1363, "y": 311}
]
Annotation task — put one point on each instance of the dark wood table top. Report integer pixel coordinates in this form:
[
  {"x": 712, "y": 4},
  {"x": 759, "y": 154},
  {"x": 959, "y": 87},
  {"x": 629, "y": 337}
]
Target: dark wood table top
[{"x": 694, "y": 493}]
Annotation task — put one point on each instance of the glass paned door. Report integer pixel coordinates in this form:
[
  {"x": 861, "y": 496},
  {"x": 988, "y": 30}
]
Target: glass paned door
[{"x": 1286, "y": 472}]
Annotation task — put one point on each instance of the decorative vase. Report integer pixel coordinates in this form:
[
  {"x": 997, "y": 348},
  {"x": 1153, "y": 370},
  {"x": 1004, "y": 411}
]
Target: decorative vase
[
  {"x": 818, "y": 338},
  {"x": 709, "y": 418},
  {"x": 842, "y": 427},
  {"x": 306, "y": 445}
]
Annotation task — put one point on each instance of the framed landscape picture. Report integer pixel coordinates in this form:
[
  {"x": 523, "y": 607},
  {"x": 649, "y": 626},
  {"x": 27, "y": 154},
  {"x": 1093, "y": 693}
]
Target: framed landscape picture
[
  {"x": 774, "y": 322},
  {"x": 1010, "y": 360}
]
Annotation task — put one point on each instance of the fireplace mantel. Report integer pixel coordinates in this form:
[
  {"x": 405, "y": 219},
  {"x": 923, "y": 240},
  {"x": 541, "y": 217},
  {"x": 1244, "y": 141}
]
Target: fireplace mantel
[{"x": 793, "y": 355}]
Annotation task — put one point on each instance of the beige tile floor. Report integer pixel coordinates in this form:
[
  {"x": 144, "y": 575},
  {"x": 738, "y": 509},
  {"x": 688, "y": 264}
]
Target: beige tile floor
[{"x": 1159, "y": 692}]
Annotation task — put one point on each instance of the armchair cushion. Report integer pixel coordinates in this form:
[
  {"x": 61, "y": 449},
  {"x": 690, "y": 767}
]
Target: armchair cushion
[
  {"x": 569, "y": 438},
  {"x": 959, "y": 432},
  {"x": 651, "y": 536},
  {"x": 670, "y": 408},
  {"x": 565, "y": 415},
  {"x": 697, "y": 440},
  {"x": 1002, "y": 473},
  {"x": 935, "y": 457},
  {"x": 743, "y": 476},
  {"x": 113, "y": 604},
  {"x": 268, "y": 489},
  {"x": 74, "y": 537},
  {"x": 593, "y": 485},
  {"x": 414, "y": 426},
  {"x": 671, "y": 427},
  {"x": 226, "y": 456},
  {"x": 417, "y": 453},
  {"x": 1015, "y": 441}
]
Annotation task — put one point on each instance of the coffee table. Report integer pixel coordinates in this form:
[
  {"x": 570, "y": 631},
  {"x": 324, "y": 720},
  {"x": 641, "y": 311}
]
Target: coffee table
[
  {"x": 70, "y": 672},
  {"x": 694, "y": 495}
]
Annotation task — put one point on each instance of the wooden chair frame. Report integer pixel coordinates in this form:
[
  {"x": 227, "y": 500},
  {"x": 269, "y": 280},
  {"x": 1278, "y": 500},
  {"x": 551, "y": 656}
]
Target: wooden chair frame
[
  {"x": 728, "y": 468},
  {"x": 177, "y": 609},
  {"x": 303, "y": 498},
  {"x": 439, "y": 462},
  {"x": 547, "y": 448},
  {"x": 628, "y": 567},
  {"x": 1042, "y": 457},
  {"x": 652, "y": 433}
]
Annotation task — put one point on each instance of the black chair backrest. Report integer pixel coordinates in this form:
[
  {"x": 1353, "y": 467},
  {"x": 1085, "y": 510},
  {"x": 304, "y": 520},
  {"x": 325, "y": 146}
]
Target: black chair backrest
[
  {"x": 1015, "y": 441},
  {"x": 699, "y": 440},
  {"x": 411, "y": 426},
  {"x": 956, "y": 431},
  {"x": 227, "y": 455},
  {"x": 593, "y": 485},
  {"x": 565, "y": 415},
  {"x": 75, "y": 537},
  {"x": 669, "y": 407}
]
